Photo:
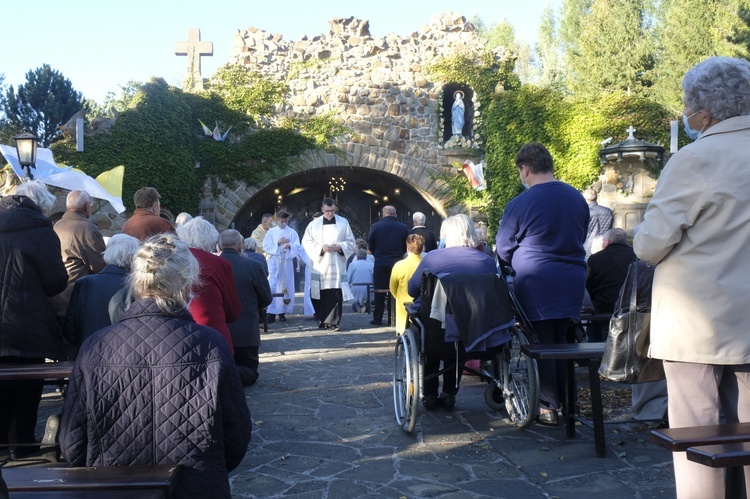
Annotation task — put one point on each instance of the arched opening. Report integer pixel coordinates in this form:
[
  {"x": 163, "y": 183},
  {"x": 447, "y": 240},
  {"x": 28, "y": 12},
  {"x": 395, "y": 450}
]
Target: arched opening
[{"x": 360, "y": 194}]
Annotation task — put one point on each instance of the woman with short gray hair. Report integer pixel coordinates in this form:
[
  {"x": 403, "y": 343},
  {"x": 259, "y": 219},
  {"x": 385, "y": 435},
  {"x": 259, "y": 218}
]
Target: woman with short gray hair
[
  {"x": 699, "y": 215},
  {"x": 215, "y": 301},
  {"x": 89, "y": 302},
  {"x": 157, "y": 388}
]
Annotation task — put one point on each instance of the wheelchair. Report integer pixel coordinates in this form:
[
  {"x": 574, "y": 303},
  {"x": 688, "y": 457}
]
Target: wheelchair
[{"x": 511, "y": 376}]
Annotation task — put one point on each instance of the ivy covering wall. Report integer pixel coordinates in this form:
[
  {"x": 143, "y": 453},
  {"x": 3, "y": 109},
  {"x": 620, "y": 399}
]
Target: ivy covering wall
[{"x": 161, "y": 143}]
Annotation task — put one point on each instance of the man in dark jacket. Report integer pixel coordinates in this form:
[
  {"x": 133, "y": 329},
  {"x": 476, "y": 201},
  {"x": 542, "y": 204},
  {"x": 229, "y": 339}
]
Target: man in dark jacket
[
  {"x": 604, "y": 277},
  {"x": 430, "y": 242},
  {"x": 255, "y": 294},
  {"x": 157, "y": 388},
  {"x": 31, "y": 272},
  {"x": 387, "y": 242},
  {"x": 146, "y": 221}
]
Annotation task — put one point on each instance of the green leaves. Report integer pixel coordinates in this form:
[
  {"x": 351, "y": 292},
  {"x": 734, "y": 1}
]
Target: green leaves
[{"x": 46, "y": 101}]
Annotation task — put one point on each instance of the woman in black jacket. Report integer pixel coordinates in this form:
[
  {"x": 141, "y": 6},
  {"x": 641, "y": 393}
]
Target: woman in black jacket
[
  {"x": 31, "y": 271},
  {"x": 157, "y": 388}
]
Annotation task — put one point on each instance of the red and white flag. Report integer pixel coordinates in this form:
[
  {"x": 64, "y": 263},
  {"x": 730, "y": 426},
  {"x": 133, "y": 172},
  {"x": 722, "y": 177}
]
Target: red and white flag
[{"x": 475, "y": 174}]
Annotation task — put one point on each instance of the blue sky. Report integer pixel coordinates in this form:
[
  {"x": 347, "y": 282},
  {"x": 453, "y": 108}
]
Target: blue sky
[{"x": 100, "y": 44}]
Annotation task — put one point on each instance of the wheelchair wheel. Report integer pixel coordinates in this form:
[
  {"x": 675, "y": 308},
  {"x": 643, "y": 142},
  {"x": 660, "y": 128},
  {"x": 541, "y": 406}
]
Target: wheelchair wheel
[
  {"x": 406, "y": 381},
  {"x": 520, "y": 381}
]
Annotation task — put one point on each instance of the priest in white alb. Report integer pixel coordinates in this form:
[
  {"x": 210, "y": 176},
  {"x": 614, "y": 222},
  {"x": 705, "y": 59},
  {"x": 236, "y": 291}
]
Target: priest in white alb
[{"x": 281, "y": 245}]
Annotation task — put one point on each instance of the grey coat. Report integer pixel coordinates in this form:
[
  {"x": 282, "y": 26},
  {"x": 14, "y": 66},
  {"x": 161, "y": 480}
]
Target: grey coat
[{"x": 255, "y": 294}]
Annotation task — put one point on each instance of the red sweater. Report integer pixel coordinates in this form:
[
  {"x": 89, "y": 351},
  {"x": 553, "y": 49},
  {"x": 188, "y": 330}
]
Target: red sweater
[{"x": 215, "y": 302}]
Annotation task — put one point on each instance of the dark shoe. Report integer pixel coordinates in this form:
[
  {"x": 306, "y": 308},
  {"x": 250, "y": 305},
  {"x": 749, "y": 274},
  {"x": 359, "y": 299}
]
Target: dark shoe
[
  {"x": 22, "y": 452},
  {"x": 271, "y": 319},
  {"x": 548, "y": 418},
  {"x": 332, "y": 327},
  {"x": 448, "y": 401},
  {"x": 50, "y": 430},
  {"x": 282, "y": 317},
  {"x": 430, "y": 403},
  {"x": 376, "y": 323}
]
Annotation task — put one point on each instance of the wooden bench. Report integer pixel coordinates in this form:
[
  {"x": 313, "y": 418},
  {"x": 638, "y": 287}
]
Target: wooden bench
[
  {"x": 571, "y": 352},
  {"x": 719, "y": 446},
  {"x": 160, "y": 480},
  {"x": 54, "y": 371}
]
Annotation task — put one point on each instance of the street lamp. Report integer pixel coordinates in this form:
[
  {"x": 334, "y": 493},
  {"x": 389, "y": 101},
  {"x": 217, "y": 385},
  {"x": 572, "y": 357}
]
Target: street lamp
[{"x": 26, "y": 150}]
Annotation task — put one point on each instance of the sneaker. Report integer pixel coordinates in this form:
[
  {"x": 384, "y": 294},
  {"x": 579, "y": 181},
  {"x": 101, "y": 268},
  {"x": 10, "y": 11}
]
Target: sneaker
[
  {"x": 282, "y": 317},
  {"x": 362, "y": 309},
  {"x": 332, "y": 327},
  {"x": 271, "y": 319},
  {"x": 548, "y": 418},
  {"x": 50, "y": 430}
]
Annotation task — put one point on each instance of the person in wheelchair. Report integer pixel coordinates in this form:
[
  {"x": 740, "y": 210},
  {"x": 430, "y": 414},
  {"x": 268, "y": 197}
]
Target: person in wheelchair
[{"x": 459, "y": 255}]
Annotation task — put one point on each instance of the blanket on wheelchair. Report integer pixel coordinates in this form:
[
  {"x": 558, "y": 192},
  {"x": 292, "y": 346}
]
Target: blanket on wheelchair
[{"x": 478, "y": 311}]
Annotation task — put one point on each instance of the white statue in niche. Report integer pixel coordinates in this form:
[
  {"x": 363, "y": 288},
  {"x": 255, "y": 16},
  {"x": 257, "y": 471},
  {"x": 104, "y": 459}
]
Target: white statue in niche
[{"x": 457, "y": 112}]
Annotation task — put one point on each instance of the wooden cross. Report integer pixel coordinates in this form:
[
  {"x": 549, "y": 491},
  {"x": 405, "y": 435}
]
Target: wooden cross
[
  {"x": 194, "y": 48},
  {"x": 630, "y": 131}
]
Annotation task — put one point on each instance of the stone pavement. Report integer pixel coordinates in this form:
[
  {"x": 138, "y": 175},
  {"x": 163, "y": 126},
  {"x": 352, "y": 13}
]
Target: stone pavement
[{"x": 324, "y": 428}]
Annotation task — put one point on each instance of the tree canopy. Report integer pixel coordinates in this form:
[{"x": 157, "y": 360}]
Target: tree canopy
[{"x": 46, "y": 101}]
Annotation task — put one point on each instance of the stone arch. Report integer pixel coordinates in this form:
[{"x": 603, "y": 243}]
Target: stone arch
[{"x": 369, "y": 178}]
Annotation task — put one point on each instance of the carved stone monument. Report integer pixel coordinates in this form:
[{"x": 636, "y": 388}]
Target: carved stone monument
[{"x": 194, "y": 49}]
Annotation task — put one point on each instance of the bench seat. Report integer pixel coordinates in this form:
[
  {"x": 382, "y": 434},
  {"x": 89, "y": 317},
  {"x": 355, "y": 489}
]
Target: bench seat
[
  {"x": 571, "y": 352},
  {"x": 161, "y": 478}
]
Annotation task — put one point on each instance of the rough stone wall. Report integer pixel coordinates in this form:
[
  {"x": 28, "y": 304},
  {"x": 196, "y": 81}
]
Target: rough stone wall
[{"x": 377, "y": 86}]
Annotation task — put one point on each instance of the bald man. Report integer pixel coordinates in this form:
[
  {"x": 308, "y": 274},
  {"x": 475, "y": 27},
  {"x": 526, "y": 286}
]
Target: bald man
[{"x": 81, "y": 244}]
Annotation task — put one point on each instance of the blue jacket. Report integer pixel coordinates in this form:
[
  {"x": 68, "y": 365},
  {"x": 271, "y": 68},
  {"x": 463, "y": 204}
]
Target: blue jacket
[{"x": 157, "y": 388}]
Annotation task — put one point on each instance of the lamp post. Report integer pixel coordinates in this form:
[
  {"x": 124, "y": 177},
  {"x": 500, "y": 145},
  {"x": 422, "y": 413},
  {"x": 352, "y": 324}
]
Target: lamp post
[{"x": 26, "y": 144}]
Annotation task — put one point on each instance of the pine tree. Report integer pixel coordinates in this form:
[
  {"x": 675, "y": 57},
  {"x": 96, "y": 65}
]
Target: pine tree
[
  {"x": 40, "y": 106},
  {"x": 689, "y": 32},
  {"x": 614, "y": 49}
]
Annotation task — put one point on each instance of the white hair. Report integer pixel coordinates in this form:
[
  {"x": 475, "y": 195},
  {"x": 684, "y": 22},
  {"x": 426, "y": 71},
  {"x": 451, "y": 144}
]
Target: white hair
[
  {"x": 250, "y": 244},
  {"x": 419, "y": 218},
  {"x": 120, "y": 250},
  {"x": 458, "y": 230},
  {"x": 37, "y": 192},
  {"x": 164, "y": 269},
  {"x": 230, "y": 238},
  {"x": 77, "y": 200},
  {"x": 199, "y": 233},
  {"x": 182, "y": 219}
]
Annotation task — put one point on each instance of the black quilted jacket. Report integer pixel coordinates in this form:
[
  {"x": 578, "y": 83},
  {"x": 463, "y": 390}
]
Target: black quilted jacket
[
  {"x": 158, "y": 389},
  {"x": 31, "y": 271}
]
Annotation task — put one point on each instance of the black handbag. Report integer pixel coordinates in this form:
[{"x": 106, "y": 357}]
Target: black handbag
[{"x": 626, "y": 352}]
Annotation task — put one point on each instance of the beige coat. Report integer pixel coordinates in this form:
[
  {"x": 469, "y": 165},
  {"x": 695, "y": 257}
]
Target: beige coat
[{"x": 697, "y": 229}]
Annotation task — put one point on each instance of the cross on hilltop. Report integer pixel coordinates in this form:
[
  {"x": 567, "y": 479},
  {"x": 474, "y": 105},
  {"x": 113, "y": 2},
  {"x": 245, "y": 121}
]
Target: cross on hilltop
[{"x": 194, "y": 49}]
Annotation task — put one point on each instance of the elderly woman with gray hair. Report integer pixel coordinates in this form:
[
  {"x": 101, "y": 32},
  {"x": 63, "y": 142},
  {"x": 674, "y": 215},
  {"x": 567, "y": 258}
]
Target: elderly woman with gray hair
[
  {"x": 215, "y": 301},
  {"x": 31, "y": 271},
  {"x": 697, "y": 229},
  {"x": 459, "y": 255},
  {"x": 88, "y": 308},
  {"x": 157, "y": 388}
]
